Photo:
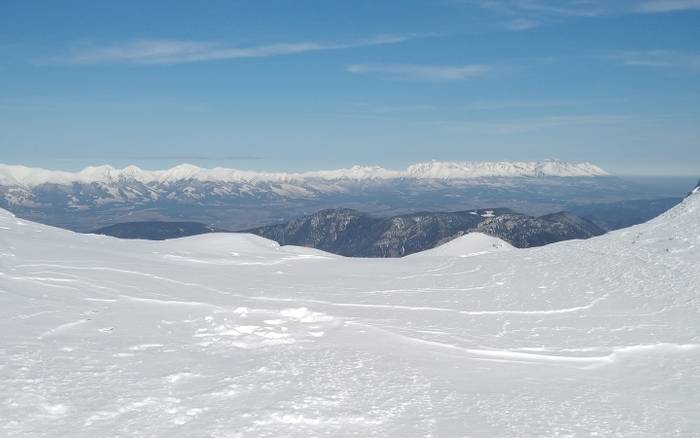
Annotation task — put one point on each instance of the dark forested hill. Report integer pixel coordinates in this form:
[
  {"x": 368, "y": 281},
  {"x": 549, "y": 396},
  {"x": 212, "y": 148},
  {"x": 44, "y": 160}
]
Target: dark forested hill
[
  {"x": 154, "y": 230},
  {"x": 352, "y": 233}
]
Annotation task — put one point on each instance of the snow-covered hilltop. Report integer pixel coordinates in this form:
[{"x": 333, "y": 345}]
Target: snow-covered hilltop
[
  {"x": 233, "y": 335},
  {"x": 30, "y": 177}
]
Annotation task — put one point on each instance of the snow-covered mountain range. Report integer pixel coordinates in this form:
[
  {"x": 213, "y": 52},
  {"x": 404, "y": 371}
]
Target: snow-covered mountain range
[
  {"x": 224, "y": 335},
  {"x": 234, "y": 199},
  {"x": 12, "y": 175}
]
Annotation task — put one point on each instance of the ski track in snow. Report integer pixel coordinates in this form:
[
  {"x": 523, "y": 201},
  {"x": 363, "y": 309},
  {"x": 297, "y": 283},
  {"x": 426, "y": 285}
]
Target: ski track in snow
[
  {"x": 555, "y": 356},
  {"x": 105, "y": 338}
]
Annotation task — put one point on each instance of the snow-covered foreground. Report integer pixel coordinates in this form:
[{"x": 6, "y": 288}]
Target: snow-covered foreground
[{"x": 231, "y": 335}]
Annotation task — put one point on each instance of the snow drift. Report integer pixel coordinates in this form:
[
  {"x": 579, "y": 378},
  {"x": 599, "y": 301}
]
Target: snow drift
[{"x": 467, "y": 246}]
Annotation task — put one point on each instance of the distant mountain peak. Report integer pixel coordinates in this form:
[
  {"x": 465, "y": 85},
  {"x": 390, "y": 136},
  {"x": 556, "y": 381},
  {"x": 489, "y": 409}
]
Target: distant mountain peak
[
  {"x": 12, "y": 175},
  {"x": 472, "y": 169}
]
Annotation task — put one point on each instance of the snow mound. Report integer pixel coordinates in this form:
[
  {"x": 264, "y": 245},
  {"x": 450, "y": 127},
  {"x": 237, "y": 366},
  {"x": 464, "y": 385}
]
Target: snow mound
[
  {"x": 233, "y": 249},
  {"x": 215, "y": 242},
  {"x": 466, "y": 246}
]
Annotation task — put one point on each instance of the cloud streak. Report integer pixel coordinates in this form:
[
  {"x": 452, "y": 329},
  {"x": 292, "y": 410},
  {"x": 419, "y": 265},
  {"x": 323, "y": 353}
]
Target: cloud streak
[
  {"x": 543, "y": 7},
  {"x": 525, "y": 125},
  {"x": 535, "y": 104},
  {"x": 166, "y": 51},
  {"x": 520, "y": 15},
  {"x": 669, "y": 5},
  {"x": 520, "y": 24},
  {"x": 659, "y": 58},
  {"x": 432, "y": 73}
]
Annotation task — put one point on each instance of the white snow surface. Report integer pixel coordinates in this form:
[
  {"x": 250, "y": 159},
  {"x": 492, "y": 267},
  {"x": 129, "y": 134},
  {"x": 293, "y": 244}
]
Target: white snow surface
[
  {"x": 15, "y": 175},
  {"x": 469, "y": 245},
  {"x": 228, "y": 335}
]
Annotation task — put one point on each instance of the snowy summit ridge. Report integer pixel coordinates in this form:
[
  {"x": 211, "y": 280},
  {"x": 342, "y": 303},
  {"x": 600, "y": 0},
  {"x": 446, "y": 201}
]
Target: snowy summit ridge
[{"x": 15, "y": 175}]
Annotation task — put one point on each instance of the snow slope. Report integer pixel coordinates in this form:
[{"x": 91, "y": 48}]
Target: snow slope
[
  {"x": 469, "y": 245},
  {"x": 234, "y": 336}
]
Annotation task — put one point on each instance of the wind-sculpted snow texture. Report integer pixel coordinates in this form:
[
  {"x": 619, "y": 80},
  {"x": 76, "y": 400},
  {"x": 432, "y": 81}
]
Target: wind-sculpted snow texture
[{"x": 233, "y": 336}]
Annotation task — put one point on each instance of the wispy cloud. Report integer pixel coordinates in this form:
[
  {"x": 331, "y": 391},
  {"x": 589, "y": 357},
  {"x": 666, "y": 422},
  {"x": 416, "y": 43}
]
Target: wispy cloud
[
  {"x": 384, "y": 113},
  {"x": 179, "y": 51},
  {"x": 669, "y": 5},
  {"x": 536, "y": 104},
  {"x": 562, "y": 8},
  {"x": 435, "y": 73},
  {"x": 530, "y": 124},
  {"x": 659, "y": 58},
  {"x": 519, "y": 15},
  {"x": 526, "y": 14},
  {"x": 403, "y": 109},
  {"x": 543, "y": 7},
  {"x": 522, "y": 15},
  {"x": 519, "y": 24},
  {"x": 387, "y": 109}
]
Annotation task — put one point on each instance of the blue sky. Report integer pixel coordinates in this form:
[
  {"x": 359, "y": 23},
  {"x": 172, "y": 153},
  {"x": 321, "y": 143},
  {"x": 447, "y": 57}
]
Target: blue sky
[{"x": 294, "y": 85}]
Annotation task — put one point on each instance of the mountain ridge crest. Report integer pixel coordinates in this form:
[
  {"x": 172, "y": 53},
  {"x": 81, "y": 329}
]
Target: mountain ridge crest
[{"x": 17, "y": 175}]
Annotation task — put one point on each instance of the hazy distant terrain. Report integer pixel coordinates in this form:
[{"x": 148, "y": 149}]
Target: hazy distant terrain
[
  {"x": 235, "y": 200},
  {"x": 621, "y": 214}
]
